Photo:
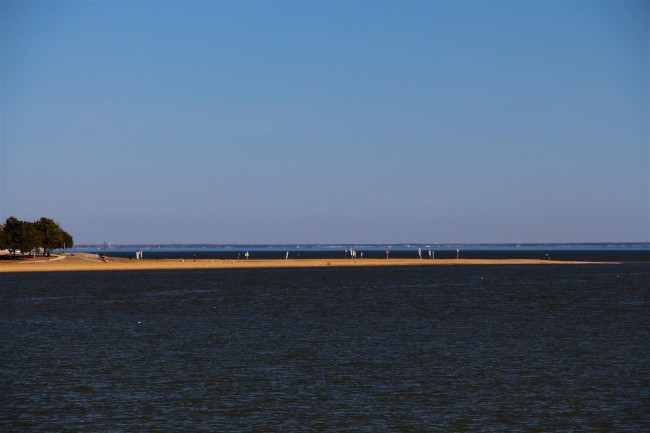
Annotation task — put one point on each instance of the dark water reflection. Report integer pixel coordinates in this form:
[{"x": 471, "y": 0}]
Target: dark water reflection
[{"x": 380, "y": 349}]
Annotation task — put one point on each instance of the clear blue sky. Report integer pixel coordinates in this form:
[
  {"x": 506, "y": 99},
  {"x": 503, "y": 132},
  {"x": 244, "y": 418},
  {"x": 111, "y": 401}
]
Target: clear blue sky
[{"x": 274, "y": 122}]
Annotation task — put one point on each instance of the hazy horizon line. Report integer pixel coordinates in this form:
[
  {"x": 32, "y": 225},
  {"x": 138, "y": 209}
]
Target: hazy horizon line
[{"x": 344, "y": 244}]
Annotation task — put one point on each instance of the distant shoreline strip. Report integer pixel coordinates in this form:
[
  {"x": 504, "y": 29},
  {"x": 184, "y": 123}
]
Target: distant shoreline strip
[{"x": 91, "y": 262}]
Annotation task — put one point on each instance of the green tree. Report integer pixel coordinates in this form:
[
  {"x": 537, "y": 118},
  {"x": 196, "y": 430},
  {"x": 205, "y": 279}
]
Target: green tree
[
  {"x": 52, "y": 236},
  {"x": 68, "y": 241},
  {"x": 4, "y": 240},
  {"x": 25, "y": 236},
  {"x": 13, "y": 233},
  {"x": 30, "y": 238}
]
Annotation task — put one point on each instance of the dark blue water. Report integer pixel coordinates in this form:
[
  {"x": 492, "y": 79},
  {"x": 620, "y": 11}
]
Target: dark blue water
[
  {"x": 448, "y": 348},
  {"x": 637, "y": 253}
]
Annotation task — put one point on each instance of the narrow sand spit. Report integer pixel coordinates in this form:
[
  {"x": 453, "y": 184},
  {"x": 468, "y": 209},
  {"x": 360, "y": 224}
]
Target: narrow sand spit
[{"x": 91, "y": 262}]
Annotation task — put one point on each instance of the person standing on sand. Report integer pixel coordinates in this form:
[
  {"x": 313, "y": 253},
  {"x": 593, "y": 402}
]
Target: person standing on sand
[
  {"x": 287, "y": 256},
  {"x": 457, "y": 254},
  {"x": 420, "y": 253},
  {"x": 247, "y": 255}
]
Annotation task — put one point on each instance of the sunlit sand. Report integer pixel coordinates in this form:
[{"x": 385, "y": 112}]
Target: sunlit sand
[{"x": 92, "y": 262}]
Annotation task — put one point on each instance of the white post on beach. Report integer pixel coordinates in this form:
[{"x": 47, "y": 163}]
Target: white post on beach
[{"x": 287, "y": 256}]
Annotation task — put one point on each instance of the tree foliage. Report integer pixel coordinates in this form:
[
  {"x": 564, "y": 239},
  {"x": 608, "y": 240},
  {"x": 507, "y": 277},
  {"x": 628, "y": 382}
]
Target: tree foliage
[{"x": 25, "y": 236}]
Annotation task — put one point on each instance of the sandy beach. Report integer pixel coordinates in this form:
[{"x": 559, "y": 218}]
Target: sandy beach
[{"x": 91, "y": 262}]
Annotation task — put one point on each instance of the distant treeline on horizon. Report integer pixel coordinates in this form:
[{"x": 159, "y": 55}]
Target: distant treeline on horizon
[{"x": 369, "y": 245}]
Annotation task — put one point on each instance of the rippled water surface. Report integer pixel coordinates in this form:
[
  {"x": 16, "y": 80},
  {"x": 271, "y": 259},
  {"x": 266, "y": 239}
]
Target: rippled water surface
[{"x": 458, "y": 348}]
